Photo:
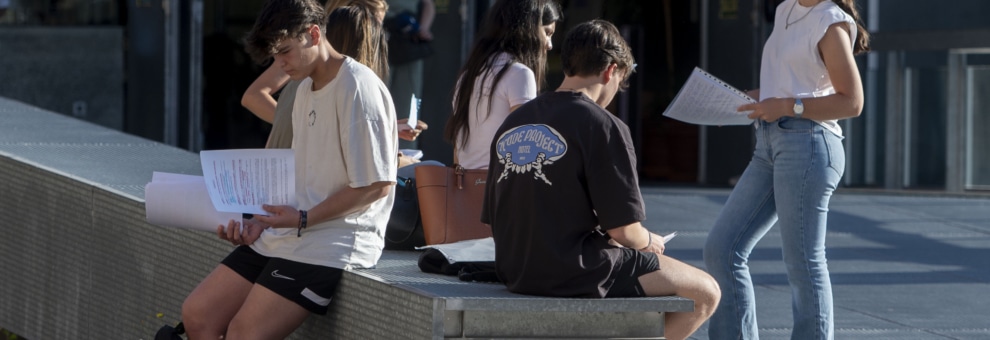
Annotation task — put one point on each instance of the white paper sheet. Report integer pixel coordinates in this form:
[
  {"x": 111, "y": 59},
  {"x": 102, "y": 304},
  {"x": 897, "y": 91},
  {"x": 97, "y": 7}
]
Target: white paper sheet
[
  {"x": 241, "y": 180},
  {"x": 182, "y": 201},
  {"x": 413, "y": 112},
  {"x": 412, "y": 153},
  {"x": 479, "y": 250},
  {"x": 666, "y": 238},
  {"x": 707, "y": 100}
]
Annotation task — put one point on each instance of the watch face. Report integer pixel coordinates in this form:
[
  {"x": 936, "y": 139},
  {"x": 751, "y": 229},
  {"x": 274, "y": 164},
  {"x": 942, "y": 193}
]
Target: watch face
[{"x": 798, "y": 107}]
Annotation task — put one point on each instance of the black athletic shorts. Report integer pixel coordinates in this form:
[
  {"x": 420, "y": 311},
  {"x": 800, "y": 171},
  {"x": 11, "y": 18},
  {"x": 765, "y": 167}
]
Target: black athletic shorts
[
  {"x": 309, "y": 286},
  {"x": 633, "y": 264}
]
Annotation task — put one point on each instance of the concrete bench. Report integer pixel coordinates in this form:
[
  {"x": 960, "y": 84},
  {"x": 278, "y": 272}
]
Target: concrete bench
[
  {"x": 423, "y": 305},
  {"x": 81, "y": 262}
]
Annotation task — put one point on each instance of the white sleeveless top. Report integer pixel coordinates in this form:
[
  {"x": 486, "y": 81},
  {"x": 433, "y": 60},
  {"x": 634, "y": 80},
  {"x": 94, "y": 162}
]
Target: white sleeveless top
[{"x": 792, "y": 66}]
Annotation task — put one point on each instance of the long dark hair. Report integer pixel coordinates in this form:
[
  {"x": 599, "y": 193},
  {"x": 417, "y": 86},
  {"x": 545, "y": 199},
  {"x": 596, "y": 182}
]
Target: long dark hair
[
  {"x": 862, "y": 43},
  {"x": 354, "y": 31},
  {"x": 515, "y": 28}
]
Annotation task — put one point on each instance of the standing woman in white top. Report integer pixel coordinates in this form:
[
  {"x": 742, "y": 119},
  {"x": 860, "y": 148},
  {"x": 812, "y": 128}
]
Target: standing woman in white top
[
  {"x": 507, "y": 65},
  {"x": 808, "y": 81}
]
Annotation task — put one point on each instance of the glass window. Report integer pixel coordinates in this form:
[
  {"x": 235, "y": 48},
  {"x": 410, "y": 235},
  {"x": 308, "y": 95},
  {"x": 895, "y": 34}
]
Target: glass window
[
  {"x": 924, "y": 120},
  {"x": 978, "y": 128}
]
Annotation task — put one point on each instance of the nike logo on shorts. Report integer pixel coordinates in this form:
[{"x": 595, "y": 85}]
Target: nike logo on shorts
[{"x": 276, "y": 274}]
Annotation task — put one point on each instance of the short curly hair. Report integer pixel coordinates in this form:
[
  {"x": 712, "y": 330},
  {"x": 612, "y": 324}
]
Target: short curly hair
[{"x": 279, "y": 20}]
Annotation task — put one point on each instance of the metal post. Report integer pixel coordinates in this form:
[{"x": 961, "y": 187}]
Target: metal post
[
  {"x": 955, "y": 122},
  {"x": 170, "y": 124},
  {"x": 872, "y": 101},
  {"x": 893, "y": 153},
  {"x": 195, "y": 58},
  {"x": 703, "y": 62}
]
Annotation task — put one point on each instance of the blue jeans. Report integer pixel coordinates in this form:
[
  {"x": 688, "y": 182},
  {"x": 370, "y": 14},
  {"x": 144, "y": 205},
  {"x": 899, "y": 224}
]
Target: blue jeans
[{"x": 795, "y": 168}]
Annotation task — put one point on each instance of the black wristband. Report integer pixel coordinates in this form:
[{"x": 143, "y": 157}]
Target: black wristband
[{"x": 302, "y": 223}]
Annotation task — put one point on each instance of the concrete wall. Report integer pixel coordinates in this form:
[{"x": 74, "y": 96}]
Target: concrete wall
[
  {"x": 78, "y": 260},
  {"x": 76, "y": 71}
]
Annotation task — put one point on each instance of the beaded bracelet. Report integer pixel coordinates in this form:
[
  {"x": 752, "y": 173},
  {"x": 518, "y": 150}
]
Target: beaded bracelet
[
  {"x": 302, "y": 223},
  {"x": 649, "y": 240}
]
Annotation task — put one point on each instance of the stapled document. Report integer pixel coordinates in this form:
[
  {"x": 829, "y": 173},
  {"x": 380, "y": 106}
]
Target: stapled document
[
  {"x": 241, "y": 180},
  {"x": 706, "y": 100}
]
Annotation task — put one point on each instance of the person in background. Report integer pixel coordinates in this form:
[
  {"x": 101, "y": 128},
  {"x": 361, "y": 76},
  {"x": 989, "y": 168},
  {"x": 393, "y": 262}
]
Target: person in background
[
  {"x": 577, "y": 232},
  {"x": 4, "y": 4},
  {"x": 808, "y": 81},
  {"x": 288, "y": 263},
  {"x": 406, "y": 79},
  {"x": 505, "y": 68}
]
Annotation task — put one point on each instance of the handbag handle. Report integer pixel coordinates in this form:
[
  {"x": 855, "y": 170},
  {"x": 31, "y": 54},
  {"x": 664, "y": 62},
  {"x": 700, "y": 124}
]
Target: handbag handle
[
  {"x": 458, "y": 170},
  {"x": 459, "y": 175}
]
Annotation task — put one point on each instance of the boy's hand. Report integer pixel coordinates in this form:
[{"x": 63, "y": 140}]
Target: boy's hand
[
  {"x": 279, "y": 216},
  {"x": 240, "y": 236},
  {"x": 408, "y": 133}
]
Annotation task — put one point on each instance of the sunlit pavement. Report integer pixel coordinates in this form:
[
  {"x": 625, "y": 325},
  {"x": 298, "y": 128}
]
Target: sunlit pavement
[{"x": 902, "y": 266}]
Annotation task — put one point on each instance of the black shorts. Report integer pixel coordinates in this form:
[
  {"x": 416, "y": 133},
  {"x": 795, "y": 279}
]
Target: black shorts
[
  {"x": 309, "y": 286},
  {"x": 631, "y": 266}
]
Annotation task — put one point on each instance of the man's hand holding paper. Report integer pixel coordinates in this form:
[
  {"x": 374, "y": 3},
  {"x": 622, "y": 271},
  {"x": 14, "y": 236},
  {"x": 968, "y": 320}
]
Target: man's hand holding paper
[
  {"x": 279, "y": 216},
  {"x": 241, "y": 180}
]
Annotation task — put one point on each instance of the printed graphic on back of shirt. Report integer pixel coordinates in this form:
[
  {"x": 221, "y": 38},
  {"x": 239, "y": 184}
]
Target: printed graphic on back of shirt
[{"x": 527, "y": 149}]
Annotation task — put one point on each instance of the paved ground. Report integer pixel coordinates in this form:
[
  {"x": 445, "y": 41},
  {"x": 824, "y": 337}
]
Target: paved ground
[{"x": 903, "y": 266}]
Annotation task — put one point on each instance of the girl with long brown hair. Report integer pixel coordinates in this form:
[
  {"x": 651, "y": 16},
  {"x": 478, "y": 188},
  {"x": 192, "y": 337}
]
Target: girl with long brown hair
[{"x": 506, "y": 68}]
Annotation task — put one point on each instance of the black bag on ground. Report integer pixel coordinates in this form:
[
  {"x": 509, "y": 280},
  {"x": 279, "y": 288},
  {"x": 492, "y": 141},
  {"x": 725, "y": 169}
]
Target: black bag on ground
[
  {"x": 170, "y": 333},
  {"x": 405, "y": 229},
  {"x": 403, "y": 45}
]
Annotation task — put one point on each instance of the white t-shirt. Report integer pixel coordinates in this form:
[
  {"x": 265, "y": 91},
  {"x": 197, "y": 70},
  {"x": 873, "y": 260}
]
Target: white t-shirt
[
  {"x": 344, "y": 134},
  {"x": 792, "y": 66},
  {"x": 516, "y": 87}
]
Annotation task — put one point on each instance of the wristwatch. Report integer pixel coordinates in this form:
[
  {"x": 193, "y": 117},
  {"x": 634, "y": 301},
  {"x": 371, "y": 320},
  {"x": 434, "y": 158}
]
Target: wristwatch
[{"x": 798, "y": 108}]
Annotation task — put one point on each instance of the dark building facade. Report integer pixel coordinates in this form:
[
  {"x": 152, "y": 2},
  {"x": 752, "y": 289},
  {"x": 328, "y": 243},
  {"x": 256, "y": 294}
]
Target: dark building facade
[{"x": 174, "y": 70}]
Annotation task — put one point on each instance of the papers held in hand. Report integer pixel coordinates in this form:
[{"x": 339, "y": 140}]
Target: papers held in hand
[
  {"x": 707, "y": 100},
  {"x": 234, "y": 182},
  {"x": 241, "y": 180},
  {"x": 182, "y": 201}
]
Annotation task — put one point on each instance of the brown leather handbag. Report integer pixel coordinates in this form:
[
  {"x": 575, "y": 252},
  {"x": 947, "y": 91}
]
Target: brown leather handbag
[{"x": 450, "y": 200}]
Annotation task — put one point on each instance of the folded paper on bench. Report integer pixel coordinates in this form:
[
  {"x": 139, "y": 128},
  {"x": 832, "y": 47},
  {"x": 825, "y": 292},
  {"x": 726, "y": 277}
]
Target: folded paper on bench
[{"x": 476, "y": 250}]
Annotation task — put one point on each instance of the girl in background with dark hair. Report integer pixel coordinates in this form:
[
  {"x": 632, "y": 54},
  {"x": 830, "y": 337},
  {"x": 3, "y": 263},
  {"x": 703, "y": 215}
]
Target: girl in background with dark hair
[
  {"x": 506, "y": 68},
  {"x": 808, "y": 81}
]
